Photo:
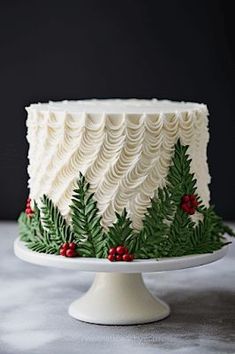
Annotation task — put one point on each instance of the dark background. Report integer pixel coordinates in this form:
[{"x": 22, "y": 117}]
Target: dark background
[{"x": 181, "y": 50}]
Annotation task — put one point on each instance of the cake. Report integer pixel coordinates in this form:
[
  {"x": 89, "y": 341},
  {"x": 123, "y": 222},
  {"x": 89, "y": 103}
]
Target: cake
[{"x": 114, "y": 178}]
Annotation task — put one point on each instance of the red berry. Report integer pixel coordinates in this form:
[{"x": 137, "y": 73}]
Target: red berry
[
  {"x": 28, "y": 210},
  {"x": 111, "y": 257},
  {"x": 70, "y": 253},
  {"x": 65, "y": 246},
  {"x": 185, "y": 207},
  {"x": 194, "y": 201},
  {"x": 28, "y": 200},
  {"x": 112, "y": 250},
  {"x": 63, "y": 252},
  {"x": 118, "y": 257},
  {"x": 120, "y": 250},
  {"x": 72, "y": 245},
  {"x": 189, "y": 203},
  {"x": 186, "y": 198},
  {"x": 191, "y": 211},
  {"x": 127, "y": 257},
  {"x": 126, "y": 250},
  {"x": 131, "y": 256}
]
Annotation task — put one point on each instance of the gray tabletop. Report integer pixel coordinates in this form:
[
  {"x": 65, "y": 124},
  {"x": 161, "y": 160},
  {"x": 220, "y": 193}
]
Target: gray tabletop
[{"x": 34, "y": 302}]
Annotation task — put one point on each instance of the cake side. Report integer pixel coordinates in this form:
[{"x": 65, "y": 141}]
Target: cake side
[
  {"x": 119, "y": 180},
  {"x": 124, "y": 156}
]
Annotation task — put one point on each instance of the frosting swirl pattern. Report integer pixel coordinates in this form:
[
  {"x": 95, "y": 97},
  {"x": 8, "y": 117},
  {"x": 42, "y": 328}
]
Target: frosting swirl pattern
[{"x": 123, "y": 147}]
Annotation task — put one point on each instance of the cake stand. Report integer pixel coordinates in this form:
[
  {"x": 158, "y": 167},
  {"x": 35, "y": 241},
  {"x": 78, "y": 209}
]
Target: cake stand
[{"x": 118, "y": 295}]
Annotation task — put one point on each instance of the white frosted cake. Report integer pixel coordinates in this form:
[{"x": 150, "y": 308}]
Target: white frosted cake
[{"x": 123, "y": 150}]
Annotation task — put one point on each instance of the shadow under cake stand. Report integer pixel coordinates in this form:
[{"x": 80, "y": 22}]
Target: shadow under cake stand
[{"x": 118, "y": 295}]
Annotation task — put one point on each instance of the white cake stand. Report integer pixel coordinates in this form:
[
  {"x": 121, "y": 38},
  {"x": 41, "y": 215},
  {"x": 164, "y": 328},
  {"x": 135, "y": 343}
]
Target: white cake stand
[{"x": 118, "y": 295}]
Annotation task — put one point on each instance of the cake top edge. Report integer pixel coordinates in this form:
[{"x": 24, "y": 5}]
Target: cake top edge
[{"x": 112, "y": 106}]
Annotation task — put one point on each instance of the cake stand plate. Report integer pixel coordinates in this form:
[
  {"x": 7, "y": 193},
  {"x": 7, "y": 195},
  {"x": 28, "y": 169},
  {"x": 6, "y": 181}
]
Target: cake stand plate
[{"x": 118, "y": 295}]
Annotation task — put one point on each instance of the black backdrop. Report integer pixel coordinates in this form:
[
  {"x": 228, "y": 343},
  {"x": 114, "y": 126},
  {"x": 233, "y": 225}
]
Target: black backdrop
[{"x": 180, "y": 50}]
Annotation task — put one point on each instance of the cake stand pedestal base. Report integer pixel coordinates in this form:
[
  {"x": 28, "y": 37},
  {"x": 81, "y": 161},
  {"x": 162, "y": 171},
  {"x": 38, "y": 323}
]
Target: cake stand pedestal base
[
  {"x": 118, "y": 295},
  {"x": 118, "y": 299}
]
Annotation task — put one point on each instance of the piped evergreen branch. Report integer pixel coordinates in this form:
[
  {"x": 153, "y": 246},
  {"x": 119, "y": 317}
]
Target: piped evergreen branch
[
  {"x": 208, "y": 235},
  {"x": 33, "y": 233},
  {"x": 25, "y": 227},
  {"x": 121, "y": 231},
  {"x": 54, "y": 223},
  {"x": 86, "y": 222},
  {"x": 148, "y": 242},
  {"x": 180, "y": 180}
]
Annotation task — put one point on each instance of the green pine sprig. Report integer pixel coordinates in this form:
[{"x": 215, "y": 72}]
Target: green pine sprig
[
  {"x": 86, "y": 222},
  {"x": 121, "y": 232},
  {"x": 180, "y": 180},
  {"x": 54, "y": 223},
  {"x": 156, "y": 224},
  {"x": 46, "y": 229},
  {"x": 25, "y": 227},
  {"x": 44, "y": 244},
  {"x": 208, "y": 235},
  {"x": 36, "y": 224},
  {"x": 180, "y": 232}
]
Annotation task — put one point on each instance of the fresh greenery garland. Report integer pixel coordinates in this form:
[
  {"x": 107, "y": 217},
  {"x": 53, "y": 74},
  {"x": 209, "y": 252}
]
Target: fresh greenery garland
[{"x": 168, "y": 231}]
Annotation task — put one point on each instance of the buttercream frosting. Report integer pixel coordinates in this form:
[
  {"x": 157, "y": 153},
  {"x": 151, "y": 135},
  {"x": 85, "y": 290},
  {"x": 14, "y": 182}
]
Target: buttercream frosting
[{"x": 123, "y": 147}]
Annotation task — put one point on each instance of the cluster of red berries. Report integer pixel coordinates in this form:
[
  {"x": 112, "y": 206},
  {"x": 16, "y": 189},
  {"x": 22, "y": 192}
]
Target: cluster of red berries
[
  {"x": 189, "y": 203},
  {"x": 120, "y": 253},
  {"x": 68, "y": 249},
  {"x": 28, "y": 210}
]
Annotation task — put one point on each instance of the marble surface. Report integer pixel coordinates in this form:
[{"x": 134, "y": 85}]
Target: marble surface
[{"x": 34, "y": 302}]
